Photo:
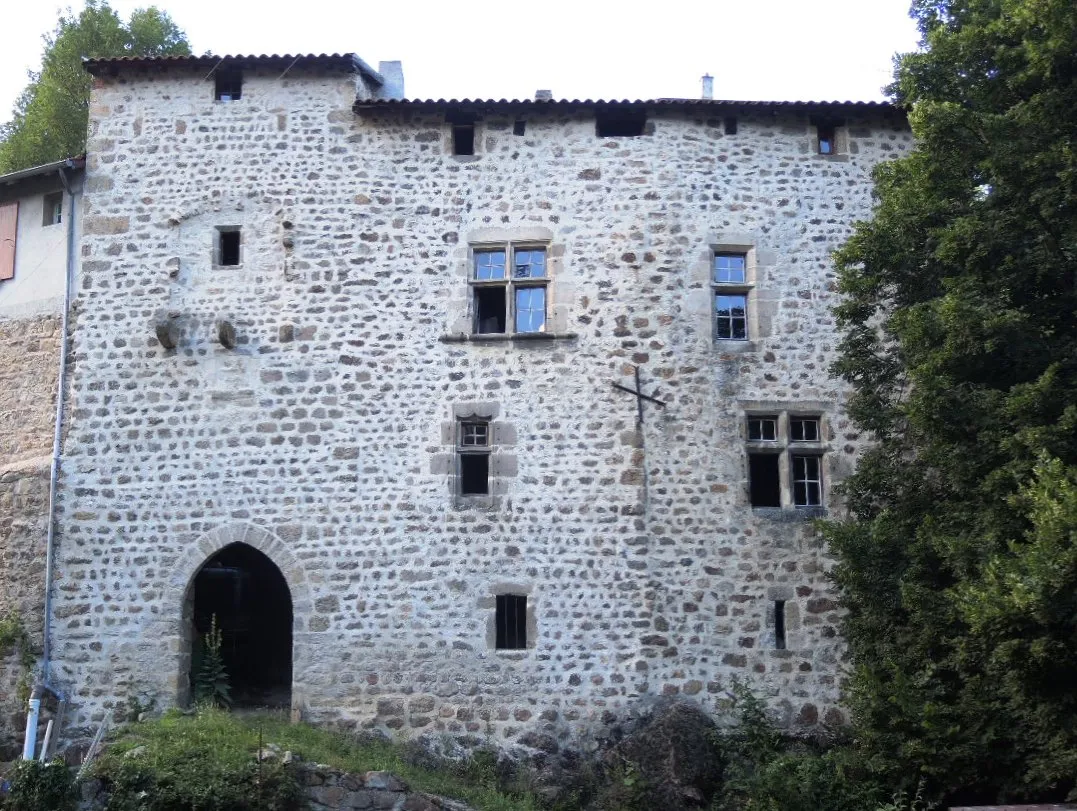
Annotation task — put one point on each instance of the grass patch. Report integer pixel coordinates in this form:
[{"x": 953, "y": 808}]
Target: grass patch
[{"x": 212, "y": 747}]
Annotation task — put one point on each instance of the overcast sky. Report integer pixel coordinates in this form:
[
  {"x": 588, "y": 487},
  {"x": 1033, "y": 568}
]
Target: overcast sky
[{"x": 755, "y": 49}]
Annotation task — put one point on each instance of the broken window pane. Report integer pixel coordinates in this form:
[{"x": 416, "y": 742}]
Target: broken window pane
[
  {"x": 764, "y": 483},
  {"x": 490, "y": 309},
  {"x": 530, "y": 309},
  {"x": 729, "y": 268},
  {"x": 530, "y": 264},
  {"x": 489, "y": 265},
  {"x": 731, "y": 319},
  {"x": 474, "y": 434},
  {"x": 807, "y": 481},
  {"x": 511, "y": 622},
  {"x": 763, "y": 429},
  {"x": 804, "y": 429},
  {"x": 474, "y": 474}
]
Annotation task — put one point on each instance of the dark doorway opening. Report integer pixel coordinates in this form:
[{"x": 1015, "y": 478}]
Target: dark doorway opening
[{"x": 250, "y": 599}]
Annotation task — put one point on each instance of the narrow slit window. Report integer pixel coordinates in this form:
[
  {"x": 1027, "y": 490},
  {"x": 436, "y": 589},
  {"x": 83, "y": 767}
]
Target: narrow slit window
[
  {"x": 511, "y": 621},
  {"x": 826, "y": 134},
  {"x": 490, "y": 310},
  {"x": 474, "y": 474},
  {"x": 228, "y": 246},
  {"x": 52, "y": 209},
  {"x": 807, "y": 481},
  {"x": 228, "y": 85},
  {"x": 764, "y": 481},
  {"x": 779, "y": 624},
  {"x": 731, "y": 316},
  {"x": 620, "y": 123},
  {"x": 763, "y": 429},
  {"x": 804, "y": 429},
  {"x": 463, "y": 139},
  {"x": 520, "y": 127}
]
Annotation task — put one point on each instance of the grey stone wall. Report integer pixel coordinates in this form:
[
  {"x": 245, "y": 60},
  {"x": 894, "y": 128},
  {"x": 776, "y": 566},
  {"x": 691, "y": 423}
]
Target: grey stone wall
[{"x": 319, "y": 437}]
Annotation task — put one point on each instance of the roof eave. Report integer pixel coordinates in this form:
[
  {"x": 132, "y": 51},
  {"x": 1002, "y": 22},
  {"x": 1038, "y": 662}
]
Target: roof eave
[{"x": 44, "y": 169}]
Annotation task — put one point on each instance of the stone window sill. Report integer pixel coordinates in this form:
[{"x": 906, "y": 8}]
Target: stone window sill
[
  {"x": 463, "y": 338},
  {"x": 840, "y": 157},
  {"x": 789, "y": 515},
  {"x": 730, "y": 347}
]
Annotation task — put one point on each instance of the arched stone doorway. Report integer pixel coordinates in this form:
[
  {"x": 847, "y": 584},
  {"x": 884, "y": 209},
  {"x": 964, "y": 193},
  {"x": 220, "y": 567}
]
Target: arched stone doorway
[{"x": 250, "y": 598}]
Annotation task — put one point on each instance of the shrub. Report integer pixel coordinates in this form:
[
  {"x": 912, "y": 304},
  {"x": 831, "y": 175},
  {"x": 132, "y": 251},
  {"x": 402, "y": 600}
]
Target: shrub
[{"x": 37, "y": 786}]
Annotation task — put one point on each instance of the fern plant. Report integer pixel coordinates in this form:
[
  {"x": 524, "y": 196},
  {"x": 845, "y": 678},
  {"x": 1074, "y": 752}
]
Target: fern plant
[{"x": 211, "y": 685}]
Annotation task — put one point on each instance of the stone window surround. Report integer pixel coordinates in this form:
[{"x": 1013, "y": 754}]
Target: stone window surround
[
  {"x": 758, "y": 265},
  {"x": 792, "y": 618},
  {"x": 840, "y": 152},
  {"x": 559, "y": 290},
  {"x": 488, "y": 603},
  {"x": 783, "y": 446},
  {"x": 503, "y": 460}
]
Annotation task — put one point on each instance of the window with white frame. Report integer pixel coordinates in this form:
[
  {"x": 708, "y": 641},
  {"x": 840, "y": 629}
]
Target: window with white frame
[
  {"x": 509, "y": 289},
  {"x": 729, "y": 281},
  {"x": 785, "y": 460},
  {"x": 473, "y": 457}
]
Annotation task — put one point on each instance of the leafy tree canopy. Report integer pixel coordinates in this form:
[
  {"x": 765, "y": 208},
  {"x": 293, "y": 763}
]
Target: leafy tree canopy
[
  {"x": 958, "y": 565},
  {"x": 50, "y": 116}
]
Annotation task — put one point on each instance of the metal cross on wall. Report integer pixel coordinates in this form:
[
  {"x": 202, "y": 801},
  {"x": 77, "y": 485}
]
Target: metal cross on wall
[{"x": 640, "y": 396}]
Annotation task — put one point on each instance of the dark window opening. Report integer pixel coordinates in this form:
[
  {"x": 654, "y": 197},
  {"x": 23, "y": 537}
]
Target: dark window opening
[
  {"x": 249, "y": 598},
  {"x": 490, "y": 309},
  {"x": 228, "y": 247},
  {"x": 229, "y": 85},
  {"x": 804, "y": 429},
  {"x": 474, "y": 474},
  {"x": 826, "y": 138},
  {"x": 763, "y": 429},
  {"x": 764, "y": 483},
  {"x": 511, "y": 620},
  {"x": 619, "y": 123},
  {"x": 520, "y": 127},
  {"x": 52, "y": 209},
  {"x": 730, "y": 124},
  {"x": 807, "y": 481},
  {"x": 463, "y": 139},
  {"x": 779, "y": 624}
]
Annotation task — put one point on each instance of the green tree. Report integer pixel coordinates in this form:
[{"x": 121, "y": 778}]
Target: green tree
[
  {"x": 960, "y": 343},
  {"x": 50, "y": 116}
]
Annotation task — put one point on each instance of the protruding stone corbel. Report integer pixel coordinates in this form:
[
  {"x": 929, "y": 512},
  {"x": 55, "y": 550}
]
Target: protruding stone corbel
[
  {"x": 226, "y": 333},
  {"x": 167, "y": 327}
]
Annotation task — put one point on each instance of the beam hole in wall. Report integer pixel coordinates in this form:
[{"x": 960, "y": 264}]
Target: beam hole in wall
[
  {"x": 520, "y": 127},
  {"x": 250, "y": 598},
  {"x": 463, "y": 139}
]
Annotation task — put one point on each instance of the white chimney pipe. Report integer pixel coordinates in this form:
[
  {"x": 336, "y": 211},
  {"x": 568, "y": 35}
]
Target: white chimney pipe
[{"x": 708, "y": 86}]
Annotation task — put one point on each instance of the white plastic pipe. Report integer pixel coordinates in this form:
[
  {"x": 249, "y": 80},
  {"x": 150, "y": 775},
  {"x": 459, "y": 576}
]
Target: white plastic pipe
[{"x": 30, "y": 746}]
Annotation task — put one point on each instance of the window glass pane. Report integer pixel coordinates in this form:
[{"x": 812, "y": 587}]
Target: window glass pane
[
  {"x": 731, "y": 322},
  {"x": 729, "y": 268},
  {"x": 804, "y": 429},
  {"x": 530, "y": 309},
  {"x": 807, "y": 481},
  {"x": 763, "y": 429},
  {"x": 474, "y": 434},
  {"x": 489, "y": 265},
  {"x": 530, "y": 264}
]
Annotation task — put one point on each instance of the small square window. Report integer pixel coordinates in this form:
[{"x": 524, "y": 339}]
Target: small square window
[
  {"x": 826, "y": 139},
  {"x": 730, "y": 125},
  {"x": 729, "y": 268},
  {"x": 228, "y": 85},
  {"x": 474, "y": 434},
  {"x": 803, "y": 429},
  {"x": 520, "y": 127},
  {"x": 620, "y": 123},
  {"x": 764, "y": 480},
  {"x": 463, "y": 139},
  {"x": 511, "y": 622},
  {"x": 807, "y": 481},
  {"x": 731, "y": 317},
  {"x": 52, "y": 209},
  {"x": 228, "y": 246},
  {"x": 763, "y": 429}
]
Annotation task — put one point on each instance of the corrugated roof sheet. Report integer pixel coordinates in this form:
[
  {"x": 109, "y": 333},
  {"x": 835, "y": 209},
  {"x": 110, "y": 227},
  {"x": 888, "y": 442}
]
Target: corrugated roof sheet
[
  {"x": 864, "y": 105},
  {"x": 45, "y": 169},
  {"x": 345, "y": 60}
]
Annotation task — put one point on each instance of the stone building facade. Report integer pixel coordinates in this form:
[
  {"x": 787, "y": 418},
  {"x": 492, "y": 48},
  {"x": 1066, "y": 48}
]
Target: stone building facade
[
  {"x": 35, "y": 208},
  {"x": 283, "y": 342}
]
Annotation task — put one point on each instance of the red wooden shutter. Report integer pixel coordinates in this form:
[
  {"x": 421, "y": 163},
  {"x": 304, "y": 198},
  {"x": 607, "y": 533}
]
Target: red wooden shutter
[{"x": 9, "y": 223}]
